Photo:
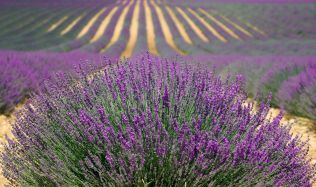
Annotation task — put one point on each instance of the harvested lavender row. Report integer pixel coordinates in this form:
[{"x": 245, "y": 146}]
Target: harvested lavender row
[
  {"x": 151, "y": 121},
  {"x": 98, "y": 45}
]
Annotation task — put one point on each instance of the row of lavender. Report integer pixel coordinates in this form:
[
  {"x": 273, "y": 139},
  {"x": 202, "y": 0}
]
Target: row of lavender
[
  {"x": 278, "y": 18},
  {"x": 22, "y": 73},
  {"x": 290, "y": 79},
  {"x": 151, "y": 121}
]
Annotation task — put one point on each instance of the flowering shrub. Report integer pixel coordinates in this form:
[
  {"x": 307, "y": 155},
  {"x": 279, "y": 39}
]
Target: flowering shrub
[{"x": 151, "y": 122}]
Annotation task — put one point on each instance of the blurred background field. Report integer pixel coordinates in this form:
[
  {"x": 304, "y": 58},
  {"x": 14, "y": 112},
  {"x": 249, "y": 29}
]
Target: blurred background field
[{"x": 271, "y": 43}]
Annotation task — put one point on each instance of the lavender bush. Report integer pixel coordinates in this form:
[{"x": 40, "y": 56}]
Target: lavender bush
[{"x": 151, "y": 122}]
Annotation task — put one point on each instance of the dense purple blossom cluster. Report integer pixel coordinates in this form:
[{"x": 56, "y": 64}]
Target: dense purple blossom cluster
[
  {"x": 22, "y": 73},
  {"x": 151, "y": 121}
]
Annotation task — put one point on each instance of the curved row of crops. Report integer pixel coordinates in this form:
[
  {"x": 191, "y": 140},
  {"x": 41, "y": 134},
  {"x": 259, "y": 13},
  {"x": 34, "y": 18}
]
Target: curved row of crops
[
  {"x": 115, "y": 27},
  {"x": 21, "y": 74},
  {"x": 290, "y": 79}
]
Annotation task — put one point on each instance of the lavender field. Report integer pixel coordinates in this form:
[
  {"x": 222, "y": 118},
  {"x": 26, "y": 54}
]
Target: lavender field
[{"x": 157, "y": 93}]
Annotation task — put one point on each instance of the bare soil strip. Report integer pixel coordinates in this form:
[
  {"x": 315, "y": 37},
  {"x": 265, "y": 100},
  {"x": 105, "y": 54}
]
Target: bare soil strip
[
  {"x": 236, "y": 26},
  {"x": 55, "y": 25},
  {"x": 86, "y": 29},
  {"x": 5, "y": 129},
  {"x": 103, "y": 26},
  {"x": 165, "y": 29},
  {"x": 133, "y": 32},
  {"x": 208, "y": 26},
  {"x": 179, "y": 26},
  {"x": 118, "y": 28},
  {"x": 72, "y": 24},
  {"x": 253, "y": 27},
  {"x": 150, "y": 29},
  {"x": 220, "y": 24},
  {"x": 194, "y": 27}
]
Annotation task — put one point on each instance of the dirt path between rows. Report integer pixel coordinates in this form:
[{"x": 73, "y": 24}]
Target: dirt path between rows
[
  {"x": 302, "y": 126},
  {"x": 5, "y": 129}
]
